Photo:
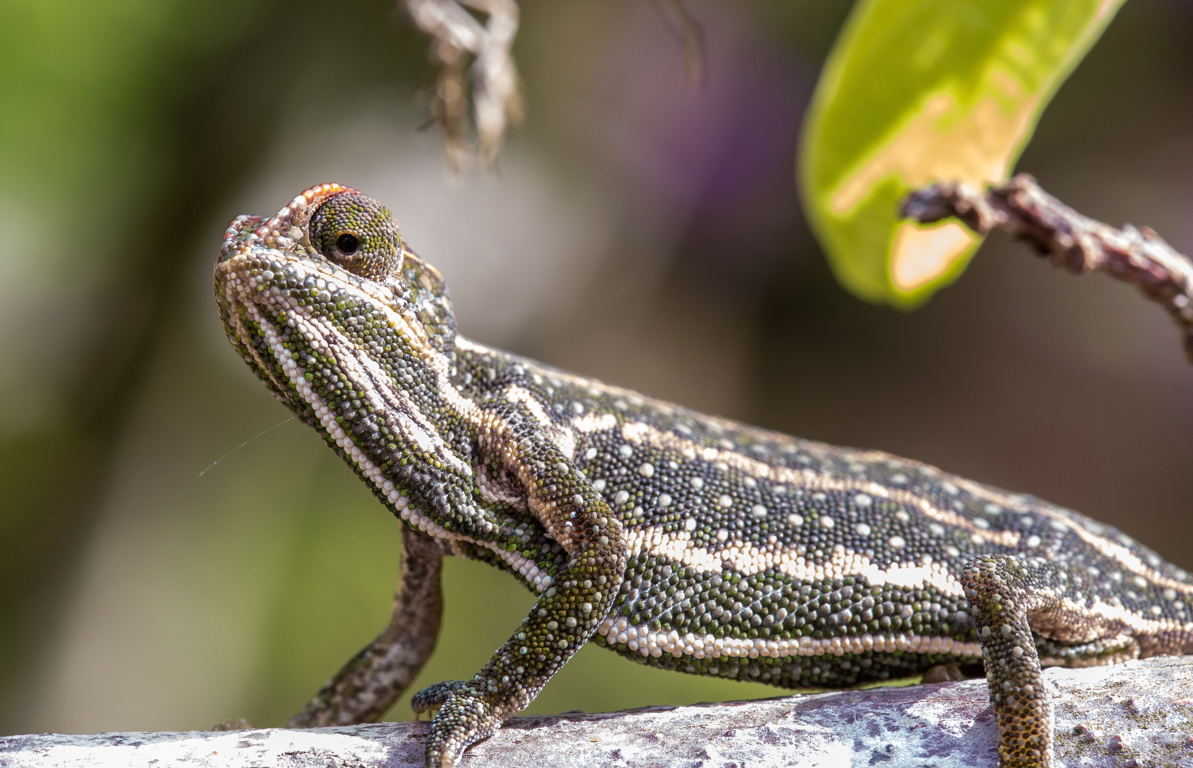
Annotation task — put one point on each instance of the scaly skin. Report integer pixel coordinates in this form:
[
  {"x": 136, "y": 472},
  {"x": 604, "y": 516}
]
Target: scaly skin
[{"x": 680, "y": 540}]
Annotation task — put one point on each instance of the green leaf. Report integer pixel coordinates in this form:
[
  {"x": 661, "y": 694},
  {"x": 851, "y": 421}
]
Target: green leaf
[{"x": 924, "y": 90}]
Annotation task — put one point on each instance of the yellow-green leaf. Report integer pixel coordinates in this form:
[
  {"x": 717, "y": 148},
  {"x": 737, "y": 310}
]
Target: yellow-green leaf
[{"x": 921, "y": 90}]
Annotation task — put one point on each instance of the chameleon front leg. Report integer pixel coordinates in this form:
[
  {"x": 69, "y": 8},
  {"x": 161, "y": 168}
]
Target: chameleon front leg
[
  {"x": 1010, "y": 597},
  {"x": 566, "y": 614},
  {"x": 368, "y": 685}
]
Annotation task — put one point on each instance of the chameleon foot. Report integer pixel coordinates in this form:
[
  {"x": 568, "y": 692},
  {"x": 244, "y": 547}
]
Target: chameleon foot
[
  {"x": 944, "y": 673},
  {"x": 464, "y": 718},
  {"x": 235, "y": 724}
]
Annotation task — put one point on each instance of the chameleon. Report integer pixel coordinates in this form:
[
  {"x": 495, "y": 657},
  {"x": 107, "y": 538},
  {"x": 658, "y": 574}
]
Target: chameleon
[{"x": 679, "y": 540}]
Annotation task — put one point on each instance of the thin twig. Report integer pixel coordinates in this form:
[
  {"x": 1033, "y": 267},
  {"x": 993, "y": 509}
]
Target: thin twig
[
  {"x": 691, "y": 34},
  {"x": 1075, "y": 242}
]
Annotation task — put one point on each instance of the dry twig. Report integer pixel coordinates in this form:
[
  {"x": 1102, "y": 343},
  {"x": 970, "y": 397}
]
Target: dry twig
[
  {"x": 1075, "y": 242},
  {"x": 691, "y": 34},
  {"x": 496, "y": 97}
]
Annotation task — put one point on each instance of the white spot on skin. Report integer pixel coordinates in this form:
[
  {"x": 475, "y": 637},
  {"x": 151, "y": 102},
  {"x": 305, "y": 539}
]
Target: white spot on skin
[
  {"x": 594, "y": 422},
  {"x": 827, "y": 522},
  {"x": 1033, "y": 541},
  {"x": 697, "y": 483},
  {"x": 722, "y": 535},
  {"x": 590, "y": 454},
  {"x": 598, "y": 485},
  {"x": 862, "y": 529},
  {"x": 625, "y": 450},
  {"x": 725, "y": 501},
  {"x": 795, "y": 520},
  {"x": 862, "y": 500},
  {"x": 758, "y": 511},
  {"x": 690, "y": 524},
  {"x": 621, "y": 497},
  {"x": 897, "y": 542},
  {"x": 664, "y": 500},
  {"x": 646, "y": 470}
]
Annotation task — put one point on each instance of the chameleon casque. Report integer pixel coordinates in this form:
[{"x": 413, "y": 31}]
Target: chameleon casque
[{"x": 679, "y": 540}]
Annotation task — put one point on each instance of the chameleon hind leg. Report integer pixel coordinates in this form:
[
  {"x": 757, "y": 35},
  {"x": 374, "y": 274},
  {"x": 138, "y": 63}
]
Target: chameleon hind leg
[
  {"x": 1001, "y": 591},
  {"x": 1014, "y": 600},
  {"x": 368, "y": 685}
]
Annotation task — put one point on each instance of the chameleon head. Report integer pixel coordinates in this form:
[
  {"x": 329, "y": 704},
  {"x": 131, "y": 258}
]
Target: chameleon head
[{"x": 348, "y": 328}]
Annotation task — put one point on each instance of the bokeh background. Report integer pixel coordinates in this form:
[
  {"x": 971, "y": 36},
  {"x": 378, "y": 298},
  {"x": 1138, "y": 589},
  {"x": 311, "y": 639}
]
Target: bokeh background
[{"x": 639, "y": 231}]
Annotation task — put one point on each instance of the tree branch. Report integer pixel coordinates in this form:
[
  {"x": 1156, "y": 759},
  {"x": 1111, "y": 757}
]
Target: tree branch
[
  {"x": 1132, "y": 714},
  {"x": 1075, "y": 242}
]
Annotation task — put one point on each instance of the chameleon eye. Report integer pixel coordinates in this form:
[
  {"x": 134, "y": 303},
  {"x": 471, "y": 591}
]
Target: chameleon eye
[
  {"x": 347, "y": 244},
  {"x": 359, "y": 234}
]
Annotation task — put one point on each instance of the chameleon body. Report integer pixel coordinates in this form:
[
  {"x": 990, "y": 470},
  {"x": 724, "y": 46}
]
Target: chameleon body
[{"x": 679, "y": 540}]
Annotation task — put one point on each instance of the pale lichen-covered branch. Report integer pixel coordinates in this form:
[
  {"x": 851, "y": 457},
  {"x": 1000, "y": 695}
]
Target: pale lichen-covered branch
[{"x": 1134, "y": 714}]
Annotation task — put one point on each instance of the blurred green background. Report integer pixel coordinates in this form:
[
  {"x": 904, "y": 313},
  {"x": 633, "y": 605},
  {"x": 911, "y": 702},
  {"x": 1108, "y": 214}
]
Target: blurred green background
[{"x": 639, "y": 231}]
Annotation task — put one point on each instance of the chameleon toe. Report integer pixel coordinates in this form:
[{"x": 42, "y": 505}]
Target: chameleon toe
[{"x": 434, "y": 696}]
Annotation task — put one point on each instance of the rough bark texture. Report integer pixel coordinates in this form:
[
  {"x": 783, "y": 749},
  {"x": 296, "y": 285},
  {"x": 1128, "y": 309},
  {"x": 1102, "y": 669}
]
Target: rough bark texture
[
  {"x": 1134, "y": 714},
  {"x": 1073, "y": 241}
]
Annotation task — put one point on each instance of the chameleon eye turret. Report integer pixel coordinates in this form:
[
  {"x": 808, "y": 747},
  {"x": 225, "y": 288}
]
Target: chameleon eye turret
[
  {"x": 360, "y": 234},
  {"x": 680, "y": 540}
]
